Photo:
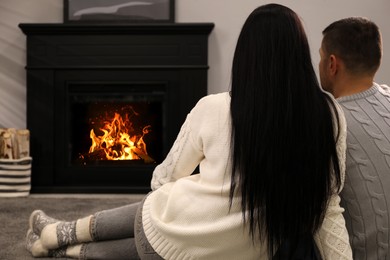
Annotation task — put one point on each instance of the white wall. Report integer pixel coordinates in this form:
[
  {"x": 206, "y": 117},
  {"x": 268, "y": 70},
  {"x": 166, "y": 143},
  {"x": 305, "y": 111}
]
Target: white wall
[
  {"x": 228, "y": 16},
  {"x": 13, "y": 53}
]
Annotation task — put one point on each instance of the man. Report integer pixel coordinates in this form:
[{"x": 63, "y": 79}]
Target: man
[{"x": 350, "y": 56}]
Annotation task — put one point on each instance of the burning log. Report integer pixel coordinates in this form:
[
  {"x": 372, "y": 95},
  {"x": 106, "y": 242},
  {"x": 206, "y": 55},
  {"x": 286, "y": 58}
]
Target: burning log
[
  {"x": 97, "y": 155},
  {"x": 14, "y": 144},
  {"x": 143, "y": 156}
]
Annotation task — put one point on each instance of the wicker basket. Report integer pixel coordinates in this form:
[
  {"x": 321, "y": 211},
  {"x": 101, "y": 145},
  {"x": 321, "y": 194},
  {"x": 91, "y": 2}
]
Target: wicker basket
[{"x": 15, "y": 177}]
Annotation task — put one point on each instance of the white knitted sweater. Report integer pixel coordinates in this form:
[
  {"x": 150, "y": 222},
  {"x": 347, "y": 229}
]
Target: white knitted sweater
[{"x": 187, "y": 216}]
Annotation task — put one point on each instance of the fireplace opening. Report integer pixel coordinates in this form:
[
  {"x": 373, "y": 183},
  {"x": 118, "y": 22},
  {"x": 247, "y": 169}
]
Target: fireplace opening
[{"x": 114, "y": 128}]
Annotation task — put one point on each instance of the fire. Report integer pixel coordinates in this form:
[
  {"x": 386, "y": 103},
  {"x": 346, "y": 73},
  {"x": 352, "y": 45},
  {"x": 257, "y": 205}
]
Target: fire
[{"x": 117, "y": 142}]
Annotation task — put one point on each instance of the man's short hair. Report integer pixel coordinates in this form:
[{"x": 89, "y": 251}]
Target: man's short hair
[{"x": 357, "y": 41}]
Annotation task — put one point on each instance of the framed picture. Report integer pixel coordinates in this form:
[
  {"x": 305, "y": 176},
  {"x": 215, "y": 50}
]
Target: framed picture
[{"x": 119, "y": 11}]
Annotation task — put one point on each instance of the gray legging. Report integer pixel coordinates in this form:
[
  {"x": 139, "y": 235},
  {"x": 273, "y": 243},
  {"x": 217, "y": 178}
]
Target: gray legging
[{"x": 118, "y": 234}]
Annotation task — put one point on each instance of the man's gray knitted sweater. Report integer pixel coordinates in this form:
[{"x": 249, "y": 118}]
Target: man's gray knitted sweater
[{"x": 366, "y": 194}]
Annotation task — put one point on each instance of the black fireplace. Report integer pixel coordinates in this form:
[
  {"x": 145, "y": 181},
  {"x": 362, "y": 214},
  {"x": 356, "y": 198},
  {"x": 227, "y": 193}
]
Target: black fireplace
[{"x": 105, "y": 102}]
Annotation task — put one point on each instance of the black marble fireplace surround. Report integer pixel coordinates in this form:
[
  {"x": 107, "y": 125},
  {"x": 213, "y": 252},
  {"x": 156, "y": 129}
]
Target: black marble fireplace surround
[{"x": 72, "y": 66}]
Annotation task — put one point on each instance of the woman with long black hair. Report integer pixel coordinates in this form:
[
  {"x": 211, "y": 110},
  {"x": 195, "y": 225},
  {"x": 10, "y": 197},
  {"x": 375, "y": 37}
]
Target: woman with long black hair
[
  {"x": 271, "y": 156},
  {"x": 287, "y": 167}
]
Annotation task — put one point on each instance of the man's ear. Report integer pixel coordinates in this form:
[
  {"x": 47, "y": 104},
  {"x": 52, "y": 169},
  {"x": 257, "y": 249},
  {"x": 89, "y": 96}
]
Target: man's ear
[{"x": 333, "y": 65}]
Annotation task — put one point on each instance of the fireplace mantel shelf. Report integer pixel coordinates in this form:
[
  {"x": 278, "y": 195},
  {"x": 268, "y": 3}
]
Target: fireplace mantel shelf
[
  {"x": 107, "y": 29},
  {"x": 127, "y": 46}
]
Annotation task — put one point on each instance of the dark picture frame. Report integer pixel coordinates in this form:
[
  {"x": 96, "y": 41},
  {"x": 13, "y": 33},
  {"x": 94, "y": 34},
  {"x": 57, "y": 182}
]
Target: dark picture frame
[{"x": 119, "y": 11}]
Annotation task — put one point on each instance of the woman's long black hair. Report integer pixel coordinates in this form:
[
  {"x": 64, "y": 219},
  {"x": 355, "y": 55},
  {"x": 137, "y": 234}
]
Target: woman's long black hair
[{"x": 285, "y": 164}]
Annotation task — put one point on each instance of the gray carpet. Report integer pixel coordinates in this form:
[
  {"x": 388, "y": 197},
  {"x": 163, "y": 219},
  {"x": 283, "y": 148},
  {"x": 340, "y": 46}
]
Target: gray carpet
[{"x": 14, "y": 214}]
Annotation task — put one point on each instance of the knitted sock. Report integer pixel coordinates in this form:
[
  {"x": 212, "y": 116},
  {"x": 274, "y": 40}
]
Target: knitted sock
[
  {"x": 63, "y": 233},
  {"x": 67, "y": 251},
  {"x": 34, "y": 245},
  {"x": 55, "y": 234},
  {"x": 74, "y": 251},
  {"x": 38, "y": 220}
]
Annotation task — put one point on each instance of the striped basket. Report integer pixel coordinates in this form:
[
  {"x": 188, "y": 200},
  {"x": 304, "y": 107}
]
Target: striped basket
[{"x": 15, "y": 177}]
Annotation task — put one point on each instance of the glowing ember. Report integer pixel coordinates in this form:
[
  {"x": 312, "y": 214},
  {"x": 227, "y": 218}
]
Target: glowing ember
[{"x": 117, "y": 142}]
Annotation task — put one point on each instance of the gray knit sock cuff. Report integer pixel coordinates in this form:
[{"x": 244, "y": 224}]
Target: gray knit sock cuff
[
  {"x": 83, "y": 251},
  {"x": 66, "y": 233},
  {"x": 92, "y": 227}
]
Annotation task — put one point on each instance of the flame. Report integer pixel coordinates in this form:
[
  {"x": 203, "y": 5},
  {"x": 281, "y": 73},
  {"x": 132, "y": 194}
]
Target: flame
[{"x": 117, "y": 143}]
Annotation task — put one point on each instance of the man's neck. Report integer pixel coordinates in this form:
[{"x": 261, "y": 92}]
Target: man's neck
[{"x": 352, "y": 85}]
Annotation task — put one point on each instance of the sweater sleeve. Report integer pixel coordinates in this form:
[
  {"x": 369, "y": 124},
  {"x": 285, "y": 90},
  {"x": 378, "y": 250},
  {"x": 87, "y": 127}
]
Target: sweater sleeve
[
  {"x": 181, "y": 160},
  {"x": 332, "y": 239}
]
